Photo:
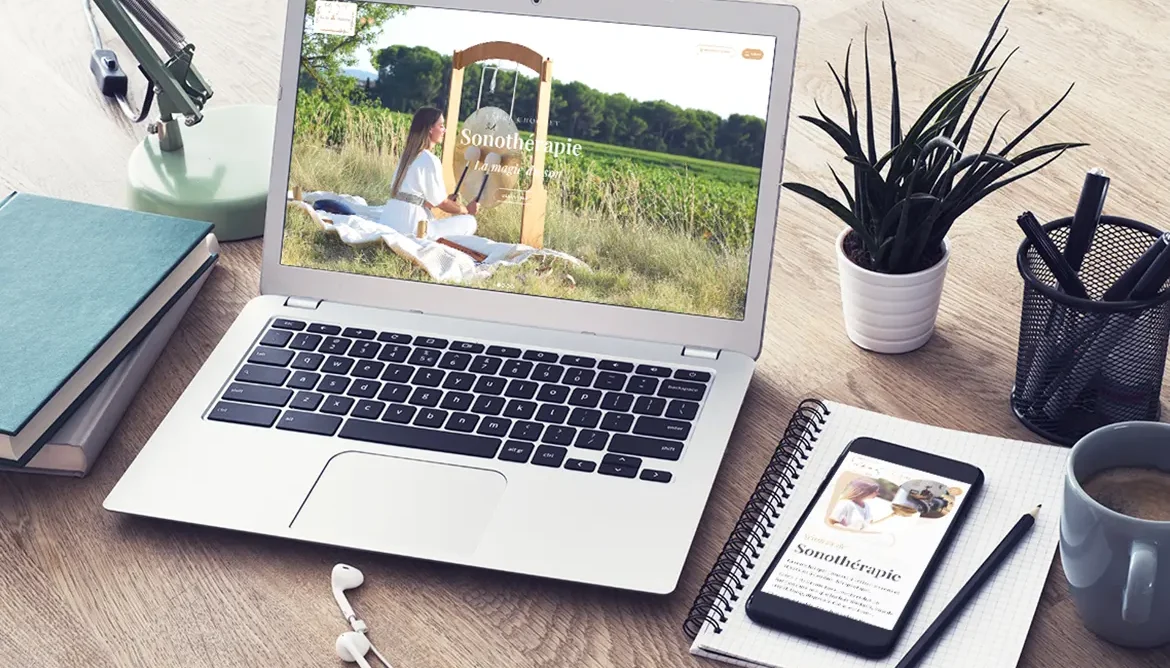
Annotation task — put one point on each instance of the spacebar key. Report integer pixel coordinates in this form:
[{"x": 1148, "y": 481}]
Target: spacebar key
[{"x": 420, "y": 439}]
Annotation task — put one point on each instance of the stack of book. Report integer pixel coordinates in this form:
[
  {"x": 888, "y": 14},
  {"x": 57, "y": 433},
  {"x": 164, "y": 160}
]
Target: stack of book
[{"x": 89, "y": 297}]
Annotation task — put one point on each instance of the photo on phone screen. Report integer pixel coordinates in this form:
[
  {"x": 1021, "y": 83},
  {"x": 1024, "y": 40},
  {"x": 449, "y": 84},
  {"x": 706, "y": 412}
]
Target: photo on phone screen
[{"x": 865, "y": 544}]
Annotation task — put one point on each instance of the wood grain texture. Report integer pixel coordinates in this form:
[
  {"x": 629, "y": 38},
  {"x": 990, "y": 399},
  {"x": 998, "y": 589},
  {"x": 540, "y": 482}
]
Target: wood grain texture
[{"x": 81, "y": 587}]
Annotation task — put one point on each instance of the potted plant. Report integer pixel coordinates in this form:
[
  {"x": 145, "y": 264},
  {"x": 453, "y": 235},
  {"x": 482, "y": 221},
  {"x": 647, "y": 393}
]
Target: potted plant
[{"x": 894, "y": 252}]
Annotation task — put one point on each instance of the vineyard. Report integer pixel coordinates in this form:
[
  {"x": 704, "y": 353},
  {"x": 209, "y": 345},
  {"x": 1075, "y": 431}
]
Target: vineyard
[{"x": 658, "y": 231}]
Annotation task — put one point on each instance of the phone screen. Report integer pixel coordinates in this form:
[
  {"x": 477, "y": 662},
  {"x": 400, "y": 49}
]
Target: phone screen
[{"x": 868, "y": 540}]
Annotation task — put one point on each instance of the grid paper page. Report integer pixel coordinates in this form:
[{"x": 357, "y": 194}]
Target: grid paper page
[{"x": 992, "y": 630}]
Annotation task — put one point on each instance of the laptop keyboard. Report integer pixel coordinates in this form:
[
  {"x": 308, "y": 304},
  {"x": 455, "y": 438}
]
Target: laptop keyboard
[{"x": 524, "y": 406}]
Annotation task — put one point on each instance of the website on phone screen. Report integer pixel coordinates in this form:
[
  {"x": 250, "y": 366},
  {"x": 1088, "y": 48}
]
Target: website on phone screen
[{"x": 867, "y": 541}]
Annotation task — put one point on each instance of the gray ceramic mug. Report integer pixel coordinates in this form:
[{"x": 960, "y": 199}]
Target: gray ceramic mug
[{"x": 1118, "y": 567}]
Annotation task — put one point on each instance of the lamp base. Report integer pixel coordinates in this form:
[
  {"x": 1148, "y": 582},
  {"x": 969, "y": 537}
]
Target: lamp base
[{"x": 221, "y": 175}]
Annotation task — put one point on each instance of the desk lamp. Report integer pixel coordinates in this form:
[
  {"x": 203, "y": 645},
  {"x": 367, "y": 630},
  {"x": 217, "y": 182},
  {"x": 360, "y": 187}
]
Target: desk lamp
[{"x": 211, "y": 165}]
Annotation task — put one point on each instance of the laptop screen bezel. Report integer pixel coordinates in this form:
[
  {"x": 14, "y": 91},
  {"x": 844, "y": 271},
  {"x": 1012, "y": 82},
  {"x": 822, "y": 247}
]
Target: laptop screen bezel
[{"x": 745, "y": 336}]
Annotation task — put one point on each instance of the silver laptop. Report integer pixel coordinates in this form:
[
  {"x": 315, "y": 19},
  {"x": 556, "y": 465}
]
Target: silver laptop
[{"x": 511, "y": 307}]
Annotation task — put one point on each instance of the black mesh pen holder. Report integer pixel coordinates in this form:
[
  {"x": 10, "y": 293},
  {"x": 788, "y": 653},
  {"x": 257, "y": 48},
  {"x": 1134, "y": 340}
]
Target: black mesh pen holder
[{"x": 1085, "y": 363}]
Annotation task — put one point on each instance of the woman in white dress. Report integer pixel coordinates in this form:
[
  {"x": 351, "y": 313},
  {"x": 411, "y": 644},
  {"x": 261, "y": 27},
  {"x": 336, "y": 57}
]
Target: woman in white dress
[
  {"x": 852, "y": 512},
  {"x": 418, "y": 185}
]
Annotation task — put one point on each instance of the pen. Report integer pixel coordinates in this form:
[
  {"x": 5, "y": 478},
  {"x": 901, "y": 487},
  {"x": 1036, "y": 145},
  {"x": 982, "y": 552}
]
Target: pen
[
  {"x": 1121, "y": 290},
  {"x": 1087, "y": 218},
  {"x": 1048, "y": 349},
  {"x": 1153, "y": 280},
  {"x": 967, "y": 593},
  {"x": 1065, "y": 276},
  {"x": 1101, "y": 334}
]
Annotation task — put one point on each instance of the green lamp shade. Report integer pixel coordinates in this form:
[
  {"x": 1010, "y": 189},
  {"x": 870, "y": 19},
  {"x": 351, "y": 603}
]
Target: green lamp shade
[{"x": 220, "y": 176}]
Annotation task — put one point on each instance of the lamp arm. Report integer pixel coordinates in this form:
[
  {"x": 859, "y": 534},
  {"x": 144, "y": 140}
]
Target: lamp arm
[{"x": 181, "y": 89}]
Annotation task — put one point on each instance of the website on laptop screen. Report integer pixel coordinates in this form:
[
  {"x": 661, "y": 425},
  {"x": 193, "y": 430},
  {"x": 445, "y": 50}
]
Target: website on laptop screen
[{"x": 577, "y": 160}]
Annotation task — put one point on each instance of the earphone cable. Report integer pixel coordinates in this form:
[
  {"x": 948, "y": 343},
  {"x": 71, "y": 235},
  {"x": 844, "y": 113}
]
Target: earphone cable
[
  {"x": 380, "y": 657},
  {"x": 93, "y": 29},
  {"x": 110, "y": 78}
]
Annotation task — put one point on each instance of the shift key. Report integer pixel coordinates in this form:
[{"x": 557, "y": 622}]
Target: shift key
[
  {"x": 257, "y": 394},
  {"x": 637, "y": 446}
]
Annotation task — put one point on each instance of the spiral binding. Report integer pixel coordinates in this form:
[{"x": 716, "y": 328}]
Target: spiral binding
[{"x": 740, "y": 553}]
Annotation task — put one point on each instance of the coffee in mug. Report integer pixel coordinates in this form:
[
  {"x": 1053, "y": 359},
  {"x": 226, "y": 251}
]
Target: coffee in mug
[
  {"x": 1140, "y": 492},
  {"x": 1115, "y": 532}
]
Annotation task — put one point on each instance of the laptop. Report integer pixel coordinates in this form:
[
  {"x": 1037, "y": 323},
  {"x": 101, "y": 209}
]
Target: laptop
[{"x": 511, "y": 303}]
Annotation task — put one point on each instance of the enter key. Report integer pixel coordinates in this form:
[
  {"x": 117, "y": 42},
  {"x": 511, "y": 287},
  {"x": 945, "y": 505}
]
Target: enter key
[{"x": 672, "y": 429}]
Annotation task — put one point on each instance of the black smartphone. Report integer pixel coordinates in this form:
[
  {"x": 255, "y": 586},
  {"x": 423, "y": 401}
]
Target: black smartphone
[{"x": 854, "y": 569}]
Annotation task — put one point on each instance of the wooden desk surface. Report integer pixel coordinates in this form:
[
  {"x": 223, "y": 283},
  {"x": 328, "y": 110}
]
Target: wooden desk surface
[{"x": 82, "y": 587}]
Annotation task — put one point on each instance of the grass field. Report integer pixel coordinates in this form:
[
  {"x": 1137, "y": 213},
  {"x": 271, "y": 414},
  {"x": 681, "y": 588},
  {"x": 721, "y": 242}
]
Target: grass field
[
  {"x": 642, "y": 226},
  {"x": 722, "y": 171}
]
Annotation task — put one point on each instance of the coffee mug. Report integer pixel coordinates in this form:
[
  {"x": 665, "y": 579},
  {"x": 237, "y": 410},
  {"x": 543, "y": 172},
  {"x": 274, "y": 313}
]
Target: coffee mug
[{"x": 1118, "y": 566}]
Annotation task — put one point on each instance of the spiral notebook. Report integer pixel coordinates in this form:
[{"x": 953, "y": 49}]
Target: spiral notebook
[{"x": 993, "y": 628}]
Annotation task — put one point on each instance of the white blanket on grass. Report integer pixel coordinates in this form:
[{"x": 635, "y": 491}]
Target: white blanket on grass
[{"x": 442, "y": 263}]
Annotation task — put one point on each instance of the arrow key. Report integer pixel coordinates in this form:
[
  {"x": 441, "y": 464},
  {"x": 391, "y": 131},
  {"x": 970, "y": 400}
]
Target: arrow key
[{"x": 655, "y": 476}]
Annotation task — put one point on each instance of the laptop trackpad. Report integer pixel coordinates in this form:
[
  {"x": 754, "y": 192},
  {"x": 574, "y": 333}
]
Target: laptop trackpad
[{"x": 390, "y": 504}]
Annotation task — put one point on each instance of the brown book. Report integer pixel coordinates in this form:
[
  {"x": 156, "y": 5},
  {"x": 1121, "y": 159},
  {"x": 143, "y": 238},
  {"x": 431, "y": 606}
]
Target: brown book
[{"x": 475, "y": 255}]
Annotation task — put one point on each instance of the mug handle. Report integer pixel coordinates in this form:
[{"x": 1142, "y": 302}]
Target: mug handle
[{"x": 1139, "y": 587}]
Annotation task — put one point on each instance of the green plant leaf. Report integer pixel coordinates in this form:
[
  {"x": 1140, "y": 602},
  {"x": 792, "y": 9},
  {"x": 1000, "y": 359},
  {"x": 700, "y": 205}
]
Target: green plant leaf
[
  {"x": 974, "y": 174},
  {"x": 878, "y": 191},
  {"x": 837, "y": 209},
  {"x": 937, "y": 143},
  {"x": 965, "y": 132},
  {"x": 901, "y": 243},
  {"x": 926, "y": 232},
  {"x": 882, "y": 258},
  {"x": 871, "y": 142},
  {"x": 899, "y": 156},
  {"x": 980, "y": 63},
  {"x": 935, "y": 167},
  {"x": 845, "y": 191},
  {"x": 889, "y": 222},
  {"x": 986, "y": 178},
  {"x": 851, "y": 147},
  {"x": 945, "y": 184},
  {"x": 895, "y": 97},
  {"x": 835, "y": 131},
  {"x": 907, "y": 239},
  {"x": 1040, "y": 151},
  {"x": 967, "y": 205},
  {"x": 854, "y": 133},
  {"x": 1006, "y": 182},
  {"x": 1015, "y": 142},
  {"x": 847, "y": 91}
]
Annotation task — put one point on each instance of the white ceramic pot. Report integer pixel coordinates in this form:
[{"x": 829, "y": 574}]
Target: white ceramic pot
[{"x": 887, "y": 313}]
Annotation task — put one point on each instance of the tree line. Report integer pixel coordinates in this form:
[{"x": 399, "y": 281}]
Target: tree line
[{"x": 412, "y": 77}]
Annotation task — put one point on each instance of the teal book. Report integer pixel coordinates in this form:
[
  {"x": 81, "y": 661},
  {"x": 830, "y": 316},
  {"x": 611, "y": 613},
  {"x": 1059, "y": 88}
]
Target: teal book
[{"x": 80, "y": 286}]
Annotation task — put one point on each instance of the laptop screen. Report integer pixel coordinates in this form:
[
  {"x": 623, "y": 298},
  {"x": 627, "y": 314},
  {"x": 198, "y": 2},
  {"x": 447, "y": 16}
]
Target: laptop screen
[{"x": 576, "y": 160}]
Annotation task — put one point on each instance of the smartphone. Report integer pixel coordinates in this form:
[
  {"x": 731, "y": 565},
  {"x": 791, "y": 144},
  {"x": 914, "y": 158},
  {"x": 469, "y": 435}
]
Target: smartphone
[{"x": 854, "y": 569}]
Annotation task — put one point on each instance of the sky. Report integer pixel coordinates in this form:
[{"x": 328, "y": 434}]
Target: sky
[{"x": 645, "y": 63}]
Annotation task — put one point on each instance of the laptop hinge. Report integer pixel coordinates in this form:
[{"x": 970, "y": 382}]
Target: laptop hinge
[
  {"x": 303, "y": 302},
  {"x": 701, "y": 353}
]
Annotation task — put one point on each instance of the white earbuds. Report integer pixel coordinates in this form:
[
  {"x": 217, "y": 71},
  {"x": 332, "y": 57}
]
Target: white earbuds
[
  {"x": 346, "y": 578},
  {"x": 352, "y": 647}
]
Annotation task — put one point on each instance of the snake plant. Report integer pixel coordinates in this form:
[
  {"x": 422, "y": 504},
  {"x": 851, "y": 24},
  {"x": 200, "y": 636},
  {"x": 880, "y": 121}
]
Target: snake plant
[{"x": 904, "y": 202}]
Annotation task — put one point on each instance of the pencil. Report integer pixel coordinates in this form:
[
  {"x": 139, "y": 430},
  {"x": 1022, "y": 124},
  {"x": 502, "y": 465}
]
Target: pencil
[{"x": 969, "y": 590}]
